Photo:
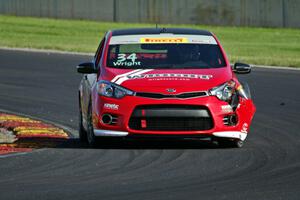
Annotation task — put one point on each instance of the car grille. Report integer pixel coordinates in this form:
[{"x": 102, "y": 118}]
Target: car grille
[
  {"x": 180, "y": 96},
  {"x": 171, "y": 118}
]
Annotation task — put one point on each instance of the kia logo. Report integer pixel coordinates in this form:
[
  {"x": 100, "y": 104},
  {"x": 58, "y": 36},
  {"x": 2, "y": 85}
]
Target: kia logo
[{"x": 171, "y": 90}]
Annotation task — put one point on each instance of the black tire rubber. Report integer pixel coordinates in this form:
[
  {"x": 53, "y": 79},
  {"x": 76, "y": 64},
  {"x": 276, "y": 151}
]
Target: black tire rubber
[
  {"x": 239, "y": 143},
  {"x": 230, "y": 143},
  {"x": 91, "y": 138},
  {"x": 81, "y": 130}
]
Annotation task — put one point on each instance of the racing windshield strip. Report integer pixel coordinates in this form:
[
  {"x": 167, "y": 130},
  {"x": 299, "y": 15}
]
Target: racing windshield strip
[
  {"x": 164, "y": 51},
  {"x": 162, "y": 38}
]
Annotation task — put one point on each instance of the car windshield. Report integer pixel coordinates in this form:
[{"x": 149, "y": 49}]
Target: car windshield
[{"x": 155, "y": 54}]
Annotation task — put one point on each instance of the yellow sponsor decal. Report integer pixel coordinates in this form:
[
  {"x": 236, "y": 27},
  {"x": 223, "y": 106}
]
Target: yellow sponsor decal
[{"x": 164, "y": 40}]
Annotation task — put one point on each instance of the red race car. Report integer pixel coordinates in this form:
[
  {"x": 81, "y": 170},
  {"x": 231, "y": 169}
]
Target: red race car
[{"x": 163, "y": 82}]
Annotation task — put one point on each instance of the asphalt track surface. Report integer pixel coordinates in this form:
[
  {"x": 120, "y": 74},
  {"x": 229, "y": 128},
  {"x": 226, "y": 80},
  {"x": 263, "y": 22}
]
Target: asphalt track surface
[{"x": 45, "y": 85}]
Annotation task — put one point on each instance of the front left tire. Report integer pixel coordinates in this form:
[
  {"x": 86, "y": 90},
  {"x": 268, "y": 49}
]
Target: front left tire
[
  {"x": 82, "y": 131},
  {"x": 91, "y": 138}
]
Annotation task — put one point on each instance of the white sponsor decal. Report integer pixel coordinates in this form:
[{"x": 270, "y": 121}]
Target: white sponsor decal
[
  {"x": 245, "y": 128},
  {"x": 139, "y": 74},
  {"x": 125, "y": 77},
  {"x": 127, "y": 61},
  {"x": 125, "y": 74},
  {"x": 111, "y": 106},
  {"x": 226, "y": 109},
  {"x": 167, "y": 75}
]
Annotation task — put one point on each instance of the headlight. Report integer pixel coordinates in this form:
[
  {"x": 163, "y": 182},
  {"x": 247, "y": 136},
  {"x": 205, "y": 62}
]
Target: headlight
[
  {"x": 108, "y": 89},
  {"x": 224, "y": 92}
]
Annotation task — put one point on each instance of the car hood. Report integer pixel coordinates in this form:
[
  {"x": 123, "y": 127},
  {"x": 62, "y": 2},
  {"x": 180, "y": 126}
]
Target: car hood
[{"x": 160, "y": 80}]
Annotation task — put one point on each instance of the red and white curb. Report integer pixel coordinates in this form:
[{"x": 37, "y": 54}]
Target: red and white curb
[{"x": 22, "y": 134}]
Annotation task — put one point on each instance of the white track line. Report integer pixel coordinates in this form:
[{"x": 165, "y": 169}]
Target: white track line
[
  {"x": 46, "y": 51},
  {"x": 276, "y": 67}
]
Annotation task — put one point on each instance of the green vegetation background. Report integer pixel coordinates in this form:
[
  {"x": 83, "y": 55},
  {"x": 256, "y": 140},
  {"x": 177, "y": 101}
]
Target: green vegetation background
[{"x": 264, "y": 46}]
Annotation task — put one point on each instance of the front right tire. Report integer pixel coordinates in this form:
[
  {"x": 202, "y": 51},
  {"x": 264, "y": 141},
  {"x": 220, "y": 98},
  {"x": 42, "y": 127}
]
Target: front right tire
[{"x": 230, "y": 143}]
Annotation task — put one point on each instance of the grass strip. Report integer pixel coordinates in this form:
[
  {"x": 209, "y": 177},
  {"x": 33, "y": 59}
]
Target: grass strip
[{"x": 264, "y": 46}]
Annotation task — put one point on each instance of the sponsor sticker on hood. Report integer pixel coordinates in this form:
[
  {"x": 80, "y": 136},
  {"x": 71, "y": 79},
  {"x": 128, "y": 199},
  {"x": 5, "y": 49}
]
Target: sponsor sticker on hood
[
  {"x": 141, "y": 74},
  {"x": 168, "y": 75}
]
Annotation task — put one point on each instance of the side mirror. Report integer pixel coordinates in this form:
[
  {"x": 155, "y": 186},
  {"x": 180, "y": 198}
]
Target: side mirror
[
  {"x": 87, "y": 68},
  {"x": 241, "y": 68}
]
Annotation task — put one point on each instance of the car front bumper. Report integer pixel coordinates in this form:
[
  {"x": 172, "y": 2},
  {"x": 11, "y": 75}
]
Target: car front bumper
[{"x": 124, "y": 109}]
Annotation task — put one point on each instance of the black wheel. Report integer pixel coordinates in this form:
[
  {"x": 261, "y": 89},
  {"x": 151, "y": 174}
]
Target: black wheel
[
  {"x": 238, "y": 143},
  {"x": 91, "y": 138},
  {"x": 230, "y": 143},
  {"x": 82, "y": 131}
]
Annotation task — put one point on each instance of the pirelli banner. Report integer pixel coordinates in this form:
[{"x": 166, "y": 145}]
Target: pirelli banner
[{"x": 162, "y": 39}]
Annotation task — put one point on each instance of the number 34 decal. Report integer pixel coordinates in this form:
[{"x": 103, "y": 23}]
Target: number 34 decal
[
  {"x": 122, "y": 57},
  {"x": 127, "y": 61}
]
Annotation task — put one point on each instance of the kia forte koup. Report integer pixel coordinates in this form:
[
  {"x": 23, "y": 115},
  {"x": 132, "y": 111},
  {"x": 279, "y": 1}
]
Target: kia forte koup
[{"x": 163, "y": 82}]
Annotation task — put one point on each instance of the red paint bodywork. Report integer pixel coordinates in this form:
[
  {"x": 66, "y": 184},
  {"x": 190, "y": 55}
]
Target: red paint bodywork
[{"x": 245, "y": 111}]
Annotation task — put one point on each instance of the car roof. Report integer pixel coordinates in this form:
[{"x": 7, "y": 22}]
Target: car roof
[{"x": 142, "y": 31}]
